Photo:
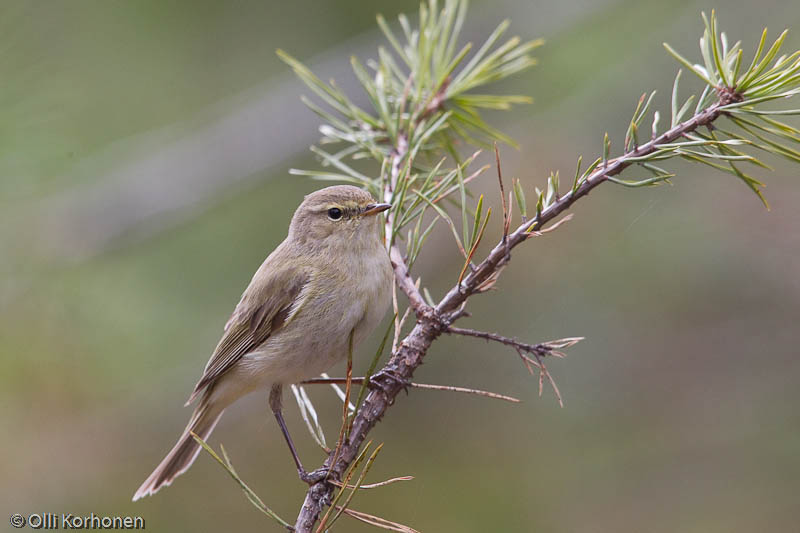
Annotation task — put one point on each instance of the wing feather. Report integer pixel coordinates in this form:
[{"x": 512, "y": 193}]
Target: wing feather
[{"x": 266, "y": 305}]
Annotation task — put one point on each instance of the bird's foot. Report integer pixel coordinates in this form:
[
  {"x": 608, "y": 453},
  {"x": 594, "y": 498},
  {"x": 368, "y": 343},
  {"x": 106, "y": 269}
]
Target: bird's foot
[
  {"x": 314, "y": 476},
  {"x": 384, "y": 378}
]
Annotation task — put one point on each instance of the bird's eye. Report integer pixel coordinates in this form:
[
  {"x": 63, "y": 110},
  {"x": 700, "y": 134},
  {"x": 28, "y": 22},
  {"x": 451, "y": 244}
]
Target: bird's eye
[{"x": 334, "y": 213}]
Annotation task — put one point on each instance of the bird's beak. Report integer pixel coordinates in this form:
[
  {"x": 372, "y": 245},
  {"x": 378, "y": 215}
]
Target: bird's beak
[{"x": 374, "y": 209}]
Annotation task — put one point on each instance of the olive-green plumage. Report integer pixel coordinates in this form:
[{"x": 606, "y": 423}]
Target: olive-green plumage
[{"x": 329, "y": 278}]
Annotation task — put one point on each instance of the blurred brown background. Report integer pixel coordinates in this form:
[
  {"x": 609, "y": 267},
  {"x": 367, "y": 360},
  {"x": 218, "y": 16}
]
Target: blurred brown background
[{"x": 145, "y": 149}]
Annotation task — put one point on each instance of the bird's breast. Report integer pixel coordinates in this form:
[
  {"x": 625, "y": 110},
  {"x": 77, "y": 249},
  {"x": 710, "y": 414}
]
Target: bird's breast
[{"x": 337, "y": 300}]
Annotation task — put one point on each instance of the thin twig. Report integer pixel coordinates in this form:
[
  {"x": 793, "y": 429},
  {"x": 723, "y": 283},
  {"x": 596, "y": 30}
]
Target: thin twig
[
  {"x": 477, "y": 392},
  {"x": 539, "y": 351},
  {"x": 451, "y": 388},
  {"x": 542, "y": 349},
  {"x": 544, "y": 372},
  {"x": 377, "y": 521},
  {"x": 372, "y": 485},
  {"x": 553, "y": 227}
]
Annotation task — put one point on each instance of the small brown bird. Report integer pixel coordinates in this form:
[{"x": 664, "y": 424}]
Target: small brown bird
[{"x": 329, "y": 279}]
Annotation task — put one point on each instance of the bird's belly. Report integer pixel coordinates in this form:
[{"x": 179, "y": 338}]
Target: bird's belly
[
  {"x": 302, "y": 357},
  {"x": 304, "y": 350},
  {"x": 318, "y": 336}
]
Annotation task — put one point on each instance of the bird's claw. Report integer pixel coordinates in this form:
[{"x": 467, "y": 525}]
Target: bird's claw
[
  {"x": 314, "y": 476},
  {"x": 383, "y": 379}
]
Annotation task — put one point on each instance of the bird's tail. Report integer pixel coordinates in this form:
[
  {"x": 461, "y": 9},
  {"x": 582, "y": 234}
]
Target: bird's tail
[{"x": 185, "y": 451}]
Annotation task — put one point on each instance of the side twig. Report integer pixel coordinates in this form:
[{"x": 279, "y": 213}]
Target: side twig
[{"x": 450, "y": 388}]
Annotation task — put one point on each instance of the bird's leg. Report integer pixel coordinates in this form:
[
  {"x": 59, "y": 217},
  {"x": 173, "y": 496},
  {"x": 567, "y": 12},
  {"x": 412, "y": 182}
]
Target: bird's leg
[{"x": 276, "y": 405}]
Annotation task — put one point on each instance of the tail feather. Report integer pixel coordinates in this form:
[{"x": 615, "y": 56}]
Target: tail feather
[{"x": 185, "y": 451}]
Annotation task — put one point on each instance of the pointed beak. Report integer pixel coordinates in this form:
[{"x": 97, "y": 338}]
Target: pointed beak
[{"x": 374, "y": 209}]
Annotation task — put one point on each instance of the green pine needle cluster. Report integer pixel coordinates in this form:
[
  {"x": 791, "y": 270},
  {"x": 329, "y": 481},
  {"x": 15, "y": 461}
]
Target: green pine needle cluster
[
  {"x": 420, "y": 91},
  {"x": 723, "y": 128},
  {"x": 424, "y": 108},
  {"x": 424, "y": 98},
  {"x": 738, "y": 95}
]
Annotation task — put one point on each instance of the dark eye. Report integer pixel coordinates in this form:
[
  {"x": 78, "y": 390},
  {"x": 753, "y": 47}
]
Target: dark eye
[{"x": 334, "y": 213}]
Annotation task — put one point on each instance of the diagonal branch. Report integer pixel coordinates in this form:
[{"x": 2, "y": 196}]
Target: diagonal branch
[
  {"x": 446, "y": 113},
  {"x": 469, "y": 285},
  {"x": 432, "y": 322}
]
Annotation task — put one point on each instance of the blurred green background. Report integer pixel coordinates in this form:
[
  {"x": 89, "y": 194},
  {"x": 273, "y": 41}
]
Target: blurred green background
[{"x": 145, "y": 149}]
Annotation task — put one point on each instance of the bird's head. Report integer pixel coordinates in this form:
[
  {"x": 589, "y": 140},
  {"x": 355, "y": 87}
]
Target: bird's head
[{"x": 341, "y": 215}]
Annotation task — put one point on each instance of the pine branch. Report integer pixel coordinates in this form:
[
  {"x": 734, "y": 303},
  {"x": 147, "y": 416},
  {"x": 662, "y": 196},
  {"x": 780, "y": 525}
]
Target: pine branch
[
  {"x": 422, "y": 107},
  {"x": 730, "y": 93},
  {"x": 488, "y": 267}
]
